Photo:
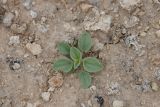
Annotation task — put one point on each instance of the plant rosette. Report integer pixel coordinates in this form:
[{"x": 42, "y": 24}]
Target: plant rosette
[{"x": 75, "y": 59}]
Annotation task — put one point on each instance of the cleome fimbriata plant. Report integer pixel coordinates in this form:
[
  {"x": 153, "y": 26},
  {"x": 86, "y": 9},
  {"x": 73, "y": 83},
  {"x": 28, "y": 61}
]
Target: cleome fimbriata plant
[{"x": 75, "y": 60}]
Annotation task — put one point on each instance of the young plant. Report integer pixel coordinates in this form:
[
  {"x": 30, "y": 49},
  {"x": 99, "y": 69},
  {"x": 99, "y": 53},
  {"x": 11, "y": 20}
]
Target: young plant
[{"x": 75, "y": 58}]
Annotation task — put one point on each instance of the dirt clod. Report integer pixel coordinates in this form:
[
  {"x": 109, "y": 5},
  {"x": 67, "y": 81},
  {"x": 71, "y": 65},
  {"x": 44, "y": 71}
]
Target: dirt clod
[
  {"x": 56, "y": 80},
  {"x": 19, "y": 29},
  {"x": 34, "y": 48}
]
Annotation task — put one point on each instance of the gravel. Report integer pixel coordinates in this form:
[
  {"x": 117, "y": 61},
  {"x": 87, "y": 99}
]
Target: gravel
[
  {"x": 157, "y": 74},
  {"x": 114, "y": 89},
  {"x": 14, "y": 40},
  {"x": 27, "y": 4},
  {"x": 131, "y": 21},
  {"x": 129, "y": 4},
  {"x": 33, "y": 14},
  {"x": 8, "y": 18},
  {"x": 19, "y": 28}
]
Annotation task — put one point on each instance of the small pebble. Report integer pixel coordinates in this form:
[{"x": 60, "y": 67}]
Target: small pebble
[
  {"x": 83, "y": 105},
  {"x": 158, "y": 33},
  {"x": 14, "y": 40},
  {"x": 8, "y": 18},
  {"x": 33, "y": 14},
  {"x": 157, "y": 74},
  {"x": 34, "y": 48},
  {"x": 43, "y": 19},
  {"x": 143, "y": 34},
  {"x": 16, "y": 66},
  {"x": 51, "y": 89},
  {"x": 45, "y": 96},
  {"x": 154, "y": 86},
  {"x": 26, "y": 55},
  {"x": 93, "y": 88},
  {"x": 27, "y": 4},
  {"x": 118, "y": 103},
  {"x": 147, "y": 28},
  {"x": 114, "y": 89},
  {"x": 124, "y": 31}
]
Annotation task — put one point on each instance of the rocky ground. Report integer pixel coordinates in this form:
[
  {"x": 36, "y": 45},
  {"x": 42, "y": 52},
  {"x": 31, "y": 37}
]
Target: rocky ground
[{"x": 126, "y": 34}]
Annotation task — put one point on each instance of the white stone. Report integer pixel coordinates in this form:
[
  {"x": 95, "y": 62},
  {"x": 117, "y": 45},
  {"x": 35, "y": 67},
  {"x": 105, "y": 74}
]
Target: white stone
[
  {"x": 93, "y": 88},
  {"x": 33, "y": 14},
  {"x": 131, "y": 21},
  {"x": 45, "y": 96},
  {"x": 143, "y": 34},
  {"x": 98, "y": 22},
  {"x": 102, "y": 24},
  {"x": 51, "y": 89},
  {"x": 14, "y": 40},
  {"x": 27, "y": 4},
  {"x": 154, "y": 86},
  {"x": 34, "y": 48},
  {"x": 16, "y": 66},
  {"x": 158, "y": 33},
  {"x": 118, "y": 103},
  {"x": 8, "y": 18},
  {"x": 43, "y": 19},
  {"x": 129, "y": 4},
  {"x": 26, "y": 55}
]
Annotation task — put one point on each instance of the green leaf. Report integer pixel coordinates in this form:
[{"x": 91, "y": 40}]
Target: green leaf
[
  {"x": 85, "y": 42},
  {"x": 85, "y": 79},
  {"x": 92, "y": 64},
  {"x": 76, "y": 56},
  {"x": 64, "y": 65},
  {"x": 64, "y": 48},
  {"x": 77, "y": 63}
]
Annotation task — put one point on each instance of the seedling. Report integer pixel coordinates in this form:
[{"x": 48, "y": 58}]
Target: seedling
[{"x": 75, "y": 59}]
